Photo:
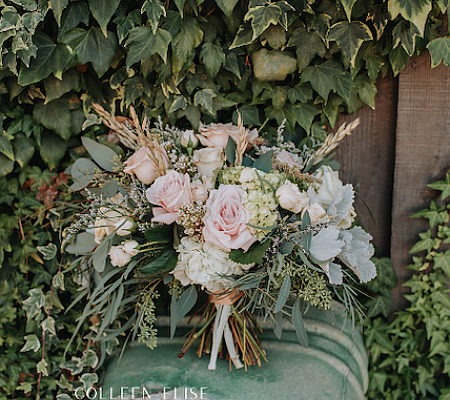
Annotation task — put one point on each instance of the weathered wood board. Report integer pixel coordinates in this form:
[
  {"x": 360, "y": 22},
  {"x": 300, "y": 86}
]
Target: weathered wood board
[{"x": 422, "y": 156}]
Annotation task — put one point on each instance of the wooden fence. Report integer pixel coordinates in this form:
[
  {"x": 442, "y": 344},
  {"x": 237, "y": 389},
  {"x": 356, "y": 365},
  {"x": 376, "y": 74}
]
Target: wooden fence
[{"x": 399, "y": 147}]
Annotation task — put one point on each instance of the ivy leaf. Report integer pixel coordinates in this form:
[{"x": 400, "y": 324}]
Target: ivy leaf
[
  {"x": 278, "y": 96},
  {"x": 442, "y": 186},
  {"x": 58, "y": 6},
  {"x": 398, "y": 59},
  {"x": 249, "y": 114},
  {"x": 321, "y": 77},
  {"x": 6, "y": 148},
  {"x": 350, "y": 37},
  {"x": 227, "y": 6},
  {"x": 24, "y": 149},
  {"x": 442, "y": 262},
  {"x": 275, "y": 36},
  {"x": 102, "y": 11},
  {"x": 213, "y": 57},
  {"x": 378, "y": 305},
  {"x": 142, "y": 43},
  {"x": 272, "y": 65},
  {"x": 374, "y": 64},
  {"x": 304, "y": 115},
  {"x": 34, "y": 303},
  {"x": 45, "y": 114},
  {"x": 254, "y": 255},
  {"x": 405, "y": 33},
  {"x": 89, "y": 380},
  {"x": 53, "y": 149},
  {"x": 154, "y": 10},
  {"x": 125, "y": 23},
  {"x": 379, "y": 18},
  {"x": 366, "y": 90},
  {"x": 244, "y": 36},
  {"x": 41, "y": 367},
  {"x": 204, "y": 98},
  {"x": 187, "y": 39},
  {"x": 440, "y": 51},
  {"x": 51, "y": 58},
  {"x": 49, "y": 325},
  {"x": 343, "y": 84},
  {"x": 6, "y": 165},
  {"x": 261, "y": 17},
  {"x": 75, "y": 13},
  {"x": 308, "y": 44},
  {"x": 427, "y": 243},
  {"x": 49, "y": 251},
  {"x": 415, "y": 11},
  {"x": 179, "y": 103},
  {"x": 92, "y": 46},
  {"x": 435, "y": 214},
  {"x": 301, "y": 92},
  {"x": 348, "y": 5},
  {"x": 32, "y": 343},
  {"x": 55, "y": 88}
]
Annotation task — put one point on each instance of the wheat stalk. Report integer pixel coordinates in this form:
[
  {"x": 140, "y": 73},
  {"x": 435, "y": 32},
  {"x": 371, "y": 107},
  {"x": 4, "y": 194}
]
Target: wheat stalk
[
  {"x": 241, "y": 142},
  {"x": 333, "y": 140}
]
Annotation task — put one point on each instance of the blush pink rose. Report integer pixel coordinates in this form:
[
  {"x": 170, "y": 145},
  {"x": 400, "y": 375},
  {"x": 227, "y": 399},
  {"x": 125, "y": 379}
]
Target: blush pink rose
[
  {"x": 170, "y": 192},
  {"x": 141, "y": 165},
  {"x": 226, "y": 219}
]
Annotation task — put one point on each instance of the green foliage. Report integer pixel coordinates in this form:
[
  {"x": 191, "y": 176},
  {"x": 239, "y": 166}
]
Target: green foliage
[{"x": 410, "y": 357}]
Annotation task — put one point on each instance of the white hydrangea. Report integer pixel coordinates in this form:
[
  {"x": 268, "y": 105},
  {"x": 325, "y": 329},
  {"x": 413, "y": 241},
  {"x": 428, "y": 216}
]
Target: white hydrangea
[{"x": 205, "y": 264}]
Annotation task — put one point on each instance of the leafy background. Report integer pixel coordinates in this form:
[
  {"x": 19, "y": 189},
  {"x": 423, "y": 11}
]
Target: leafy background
[{"x": 185, "y": 61}]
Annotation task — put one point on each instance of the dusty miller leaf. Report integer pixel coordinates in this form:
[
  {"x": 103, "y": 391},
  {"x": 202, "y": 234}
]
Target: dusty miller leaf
[{"x": 325, "y": 244}]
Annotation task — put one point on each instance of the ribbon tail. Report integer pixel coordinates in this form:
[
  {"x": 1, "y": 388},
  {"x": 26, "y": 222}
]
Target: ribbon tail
[
  {"x": 230, "y": 346},
  {"x": 223, "y": 312}
]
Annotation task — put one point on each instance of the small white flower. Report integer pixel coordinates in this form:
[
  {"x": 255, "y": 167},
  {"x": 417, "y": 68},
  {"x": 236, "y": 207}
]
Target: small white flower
[
  {"x": 118, "y": 257},
  {"x": 189, "y": 139}
]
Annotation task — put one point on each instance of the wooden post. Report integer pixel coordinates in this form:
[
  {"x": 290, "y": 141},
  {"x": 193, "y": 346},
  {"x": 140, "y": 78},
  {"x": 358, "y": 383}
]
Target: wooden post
[{"x": 422, "y": 156}]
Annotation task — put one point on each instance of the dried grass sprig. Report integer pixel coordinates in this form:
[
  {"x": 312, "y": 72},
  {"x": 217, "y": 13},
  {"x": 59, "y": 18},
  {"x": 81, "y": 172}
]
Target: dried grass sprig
[
  {"x": 241, "y": 142},
  {"x": 127, "y": 137},
  {"x": 333, "y": 140}
]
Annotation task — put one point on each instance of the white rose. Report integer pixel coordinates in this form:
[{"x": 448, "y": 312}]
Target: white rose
[
  {"x": 290, "y": 197},
  {"x": 284, "y": 157},
  {"x": 118, "y": 257},
  {"x": 199, "y": 191},
  {"x": 189, "y": 139},
  {"x": 209, "y": 160},
  {"x": 130, "y": 247},
  {"x": 109, "y": 222},
  {"x": 248, "y": 175},
  {"x": 331, "y": 184},
  {"x": 316, "y": 213}
]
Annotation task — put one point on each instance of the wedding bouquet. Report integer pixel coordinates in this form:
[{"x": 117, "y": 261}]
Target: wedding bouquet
[{"x": 263, "y": 226}]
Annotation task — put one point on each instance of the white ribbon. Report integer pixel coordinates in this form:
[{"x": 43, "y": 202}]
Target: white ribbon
[{"x": 222, "y": 329}]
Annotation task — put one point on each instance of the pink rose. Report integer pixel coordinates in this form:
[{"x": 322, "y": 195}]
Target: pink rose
[
  {"x": 216, "y": 135},
  {"x": 285, "y": 157},
  {"x": 141, "y": 165},
  {"x": 170, "y": 192},
  {"x": 199, "y": 191},
  {"x": 226, "y": 219}
]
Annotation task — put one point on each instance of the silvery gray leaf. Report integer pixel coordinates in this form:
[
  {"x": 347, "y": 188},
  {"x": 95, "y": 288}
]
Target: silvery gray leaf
[
  {"x": 335, "y": 274},
  {"x": 342, "y": 203},
  {"x": 313, "y": 196},
  {"x": 325, "y": 244}
]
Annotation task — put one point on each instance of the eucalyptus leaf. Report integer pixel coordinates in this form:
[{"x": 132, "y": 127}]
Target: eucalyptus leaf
[
  {"x": 283, "y": 295},
  {"x": 299, "y": 326},
  {"x": 264, "y": 162},
  {"x": 181, "y": 307},
  {"x": 102, "y": 155}
]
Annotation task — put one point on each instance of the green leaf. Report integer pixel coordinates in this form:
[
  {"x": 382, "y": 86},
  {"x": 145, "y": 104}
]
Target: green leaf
[
  {"x": 440, "y": 51},
  {"x": 405, "y": 34},
  {"x": 283, "y": 295},
  {"x": 304, "y": 115},
  {"x": 415, "y": 11},
  {"x": 167, "y": 261},
  {"x": 230, "y": 150},
  {"x": 308, "y": 45},
  {"x": 103, "y": 155},
  {"x": 49, "y": 325},
  {"x": 84, "y": 244},
  {"x": 186, "y": 40},
  {"x": 227, "y": 6},
  {"x": 249, "y": 115},
  {"x": 244, "y": 36},
  {"x": 58, "y": 6},
  {"x": 427, "y": 243},
  {"x": 366, "y": 90},
  {"x": 24, "y": 149},
  {"x": 142, "y": 43},
  {"x": 179, "y": 103},
  {"x": 32, "y": 343},
  {"x": 49, "y": 251},
  {"x": 75, "y": 13},
  {"x": 102, "y": 11},
  {"x": 83, "y": 171},
  {"x": 51, "y": 58},
  {"x": 213, "y": 57},
  {"x": 125, "y": 23},
  {"x": 299, "y": 326},
  {"x": 204, "y": 98},
  {"x": 159, "y": 234},
  {"x": 101, "y": 253},
  {"x": 349, "y": 36},
  {"x": 173, "y": 22},
  {"x": 374, "y": 64},
  {"x": 321, "y": 76},
  {"x": 254, "y": 255},
  {"x": 435, "y": 214},
  {"x": 301, "y": 92},
  {"x": 89, "y": 380},
  {"x": 272, "y": 65},
  {"x": 92, "y": 46},
  {"x": 181, "y": 307},
  {"x": 6, "y": 166},
  {"x": 442, "y": 186},
  {"x": 378, "y": 305},
  {"x": 28, "y": 5},
  {"x": 34, "y": 303},
  {"x": 54, "y": 116},
  {"x": 154, "y": 9},
  {"x": 348, "y": 5},
  {"x": 41, "y": 367},
  {"x": 180, "y": 6},
  {"x": 275, "y": 36},
  {"x": 55, "y": 88},
  {"x": 343, "y": 84},
  {"x": 398, "y": 58},
  {"x": 6, "y": 148},
  {"x": 264, "y": 162},
  {"x": 442, "y": 262},
  {"x": 262, "y": 17},
  {"x": 53, "y": 149}
]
